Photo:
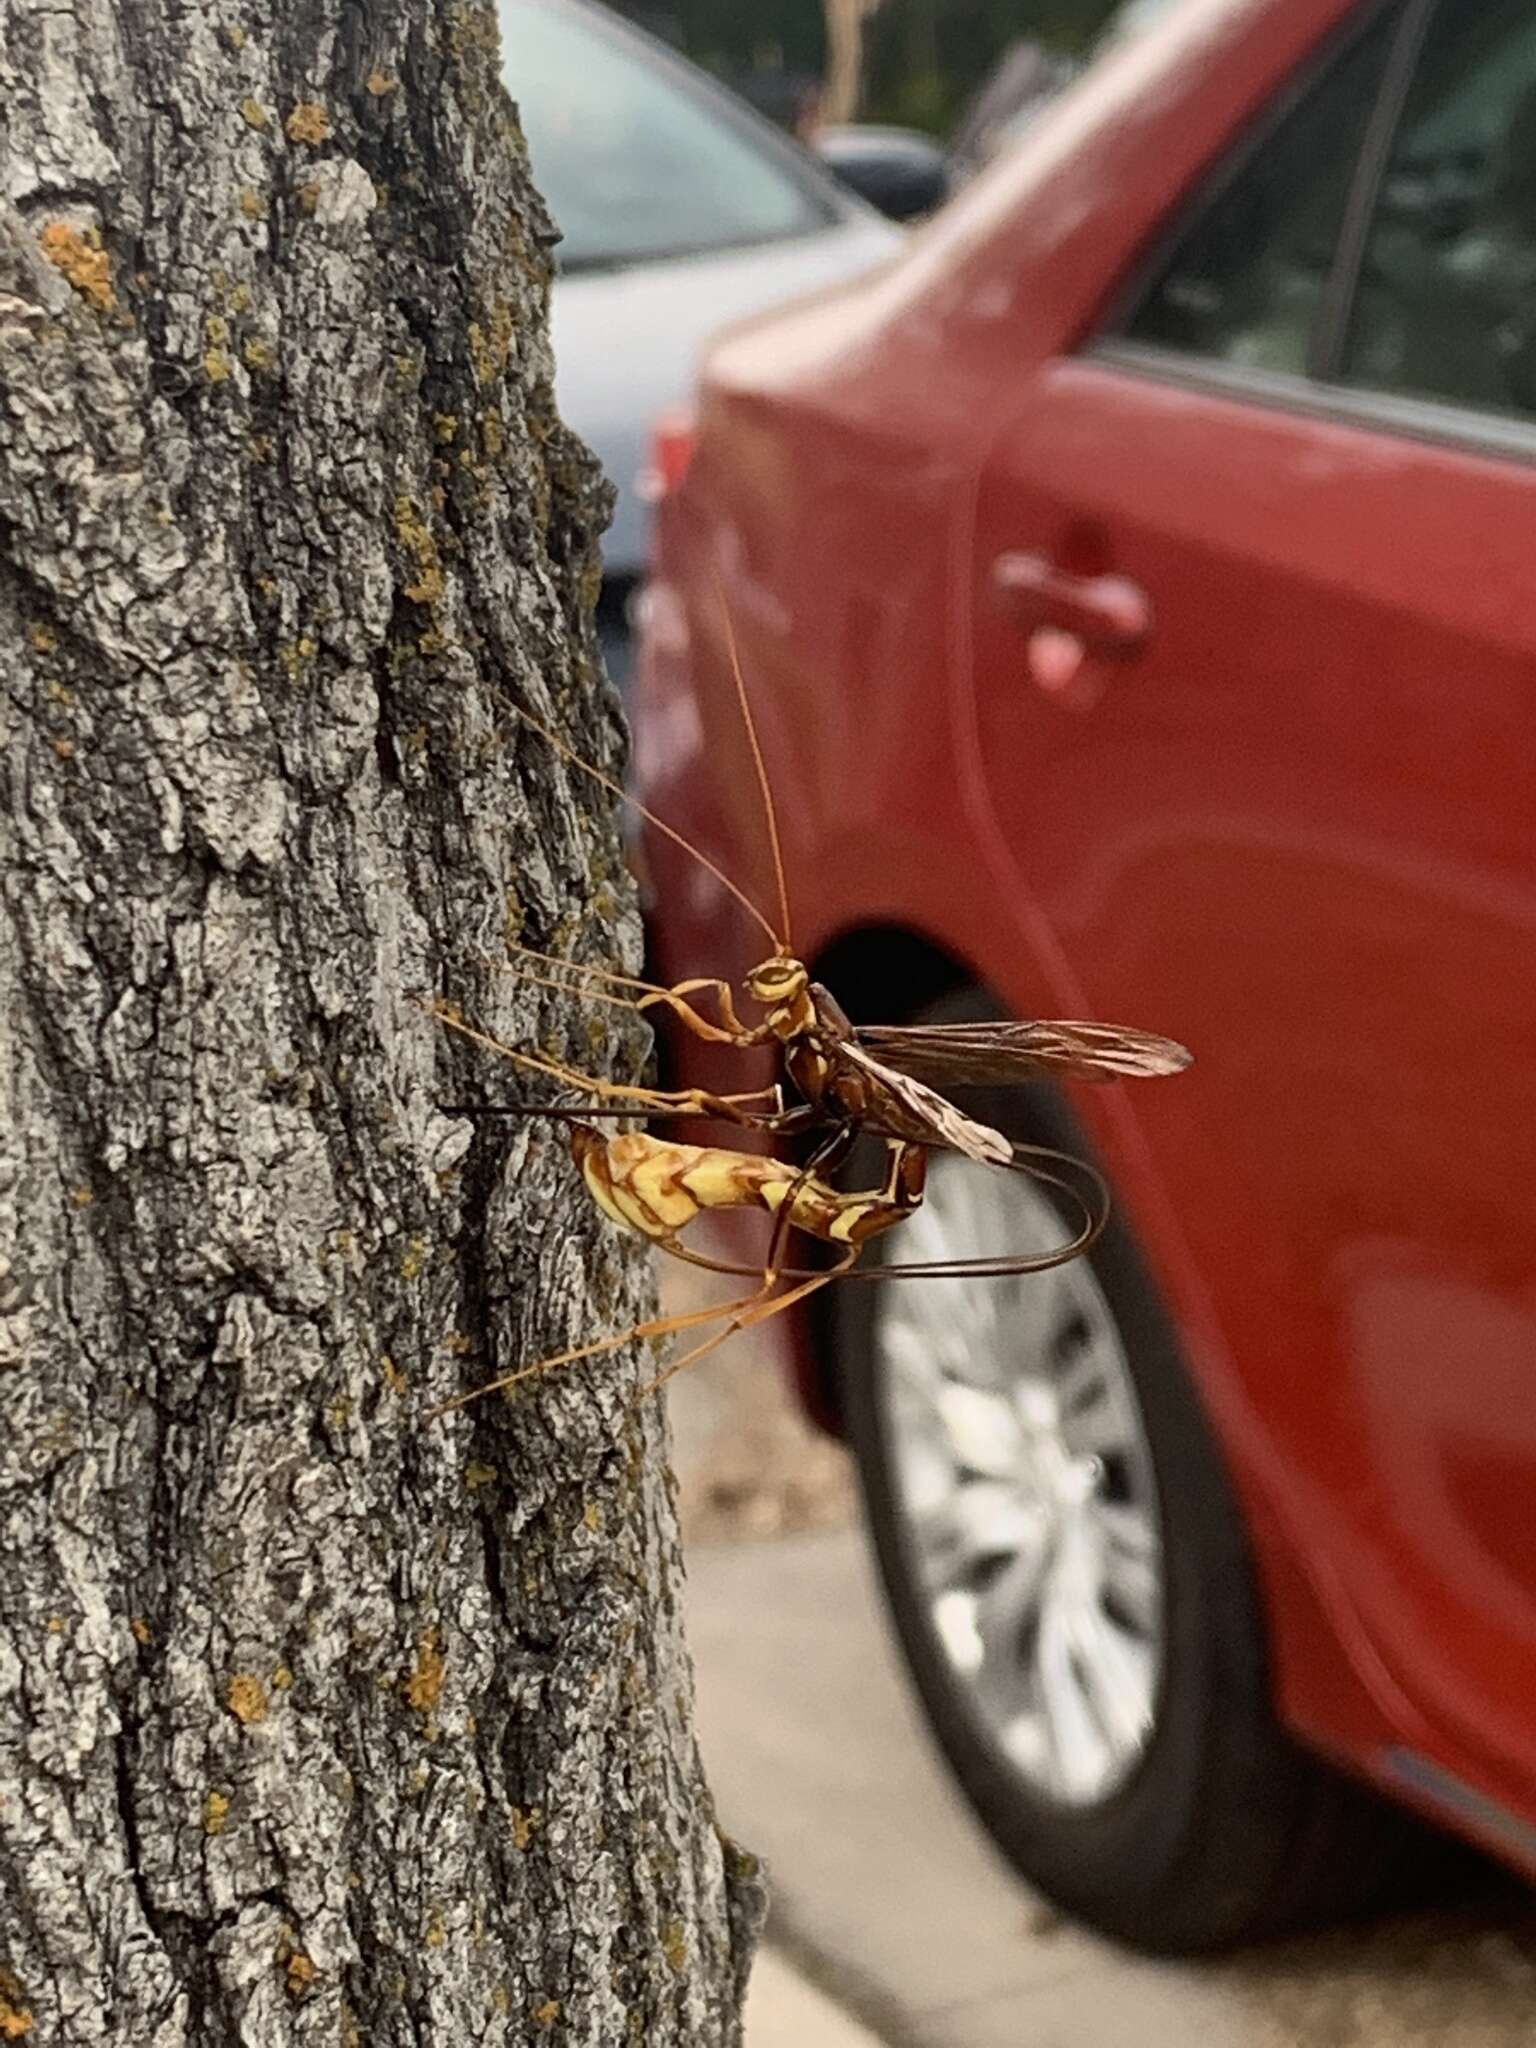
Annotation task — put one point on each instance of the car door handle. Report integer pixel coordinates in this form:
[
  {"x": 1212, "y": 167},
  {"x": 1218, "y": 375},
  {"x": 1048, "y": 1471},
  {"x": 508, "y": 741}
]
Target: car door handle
[{"x": 1108, "y": 614}]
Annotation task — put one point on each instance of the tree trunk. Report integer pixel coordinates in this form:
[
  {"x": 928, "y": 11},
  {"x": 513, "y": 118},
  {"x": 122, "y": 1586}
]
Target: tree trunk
[
  {"x": 321, "y": 1720},
  {"x": 843, "y": 85}
]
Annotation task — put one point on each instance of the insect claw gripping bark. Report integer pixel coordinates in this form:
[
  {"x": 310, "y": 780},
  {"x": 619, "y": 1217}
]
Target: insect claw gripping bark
[{"x": 884, "y": 1081}]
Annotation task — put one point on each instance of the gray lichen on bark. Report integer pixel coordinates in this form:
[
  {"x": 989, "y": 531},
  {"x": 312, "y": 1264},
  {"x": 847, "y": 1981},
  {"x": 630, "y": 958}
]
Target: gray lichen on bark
[{"x": 319, "y": 1721}]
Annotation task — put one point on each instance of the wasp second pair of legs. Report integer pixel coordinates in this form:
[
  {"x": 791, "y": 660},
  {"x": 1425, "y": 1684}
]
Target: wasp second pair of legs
[
  {"x": 656, "y": 1188},
  {"x": 768, "y": 1114},
  {"x": 731, "y": 1031}
]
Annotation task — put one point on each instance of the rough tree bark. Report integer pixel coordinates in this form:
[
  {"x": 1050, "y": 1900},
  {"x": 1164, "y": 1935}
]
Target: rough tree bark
[{"x": 320, "y": 1721}]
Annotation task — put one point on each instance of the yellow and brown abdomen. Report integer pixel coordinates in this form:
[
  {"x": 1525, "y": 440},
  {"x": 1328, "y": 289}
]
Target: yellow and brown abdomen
[{"x": 657, "y": 1187}]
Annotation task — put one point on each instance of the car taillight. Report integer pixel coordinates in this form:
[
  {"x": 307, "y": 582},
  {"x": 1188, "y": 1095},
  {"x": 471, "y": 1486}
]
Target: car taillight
[{"x": 672, "y": 440}]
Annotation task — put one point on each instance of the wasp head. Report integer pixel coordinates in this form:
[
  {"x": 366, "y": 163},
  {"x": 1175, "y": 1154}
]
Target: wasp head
[
  {"x": 782, "y": 986},
  {"x": 776, "y": 981}
]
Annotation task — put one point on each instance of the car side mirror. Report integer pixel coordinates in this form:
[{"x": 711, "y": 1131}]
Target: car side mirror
[{"x": 898, "y": 170}]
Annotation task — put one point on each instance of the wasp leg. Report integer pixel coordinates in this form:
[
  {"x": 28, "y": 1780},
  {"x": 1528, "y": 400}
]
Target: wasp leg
[
  {"x": 746, "y": 1315},
  {"x": 901, "y": 1194},
  {"x": 587, "y": 970},
  {"x": 732, "y": 1032},
  {"x": 1094, "y": 1214},
  {"x": 827, "y": 1157},
  {"x": 657, "y": 1326},
  {"x": 697, "y": 1101},
  {"x": 650, "y": 991},
  {"x": 714, "y": 1108}
]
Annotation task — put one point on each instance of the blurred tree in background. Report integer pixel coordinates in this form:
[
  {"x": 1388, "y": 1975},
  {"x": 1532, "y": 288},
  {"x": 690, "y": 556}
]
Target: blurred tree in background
[{"x": 922, "y": 58}]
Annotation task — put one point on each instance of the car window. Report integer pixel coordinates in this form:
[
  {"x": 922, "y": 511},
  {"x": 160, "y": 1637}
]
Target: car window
[
  {"x": 633, "y": 163},
  {"x": 1446, "y": 303},
  {"x": 1246, "y": 279}
]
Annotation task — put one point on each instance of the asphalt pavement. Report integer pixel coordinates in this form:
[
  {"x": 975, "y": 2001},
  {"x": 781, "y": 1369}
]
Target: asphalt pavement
[{"x": 888, "y": 1899}]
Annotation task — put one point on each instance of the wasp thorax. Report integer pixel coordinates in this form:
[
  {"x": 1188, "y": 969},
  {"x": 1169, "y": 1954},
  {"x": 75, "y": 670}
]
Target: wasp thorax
[{"x": 778, "y": 980}]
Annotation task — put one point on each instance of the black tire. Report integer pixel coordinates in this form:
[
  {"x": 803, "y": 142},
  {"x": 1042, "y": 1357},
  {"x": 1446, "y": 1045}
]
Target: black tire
[{"x": 1226, "y": 1829}]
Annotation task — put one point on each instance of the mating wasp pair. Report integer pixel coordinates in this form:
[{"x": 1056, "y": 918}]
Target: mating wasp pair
[{"x": 839, "y": 1081}]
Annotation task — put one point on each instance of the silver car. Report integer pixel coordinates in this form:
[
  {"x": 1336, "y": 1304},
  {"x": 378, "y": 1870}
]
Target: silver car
[{"x": 680, "y": 210}]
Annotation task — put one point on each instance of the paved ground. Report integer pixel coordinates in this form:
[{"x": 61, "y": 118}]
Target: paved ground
[
  {"x": 785, "y": 2010},
  {"x": 886, "y": 1894}
]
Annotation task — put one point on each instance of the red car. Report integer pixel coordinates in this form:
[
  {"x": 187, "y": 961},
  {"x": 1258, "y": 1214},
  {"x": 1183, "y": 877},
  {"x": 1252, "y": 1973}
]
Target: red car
[{"x": 1136, "y": 588}]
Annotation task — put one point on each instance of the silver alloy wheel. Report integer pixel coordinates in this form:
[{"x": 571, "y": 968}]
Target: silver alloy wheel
[{"x": 1024, "y": 1481}]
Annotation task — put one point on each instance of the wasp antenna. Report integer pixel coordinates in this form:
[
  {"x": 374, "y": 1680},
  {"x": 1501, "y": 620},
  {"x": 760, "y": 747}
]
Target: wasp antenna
[
  {"x": 569, "y": 753},
  {"x": 786, "y": 944}
]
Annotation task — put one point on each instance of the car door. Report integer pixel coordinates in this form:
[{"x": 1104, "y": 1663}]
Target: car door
[{"x": 1253, "y": 607}]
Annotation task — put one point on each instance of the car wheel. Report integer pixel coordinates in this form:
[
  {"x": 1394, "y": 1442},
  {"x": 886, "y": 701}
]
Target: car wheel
[{"x": 1069, "y": 1575}]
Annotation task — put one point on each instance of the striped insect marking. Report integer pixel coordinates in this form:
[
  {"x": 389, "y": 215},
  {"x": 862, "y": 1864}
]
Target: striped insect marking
[{"x": 657, "y": 1187}]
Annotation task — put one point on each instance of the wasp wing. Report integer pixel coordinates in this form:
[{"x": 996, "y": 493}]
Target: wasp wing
[
  {"x": 1009, "y": 1055},
  {"x": 933, "y": 1121}
]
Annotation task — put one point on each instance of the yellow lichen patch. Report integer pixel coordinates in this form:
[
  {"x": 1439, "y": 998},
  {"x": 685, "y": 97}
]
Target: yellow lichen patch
[
  {"x": 252, "y": 204},
  {"x": 216, "y": 366},
  {"x": 215, "y": 1813},
  {"x": 240, "y": 299},
  {"x": 43, "y": 641},
  {"x": 414, "y": 534},
  {"x": 82, "y": 1196},
  {"x": 394, "y": 1378},
  {"x": 415, "y": 1259},
  {"x": 301, "y": 1973},
  {"x": 674, "y": 1946},
  {"x": 253, "y": 112},
  {"x": 379, "y": 85},
  {"x": 340, "y": 1411},
  {"x": 216, "y": 327},
  {"x": 15, "y": 2021},
  {"x": 424, "y": 1687},
  {"x": 480, "y": 354},
  {"x": 246, "y": 1699},
  {"x": 143, "y": 1634},
  {"x": 477, "y": 1475},
  {"x": 234, "y": 35},
  {"x": 525, "y": 1825},
  {"x": 492, "y": 435},
  {"x": 55, "y": 1624},
  {"x": 445, "y": 425},
  {"x": 259, "y": 448},
  {"x": 437, "y": 1933},
  {"x": 592, "y": 1516},
  {"x": 295, "y": 653},
  {"x": 258, "y": 354},
  {"x": 309, "y": 197},
  {"x": 546, "y": 2012},
  {"x": 309, "y": 123},
  {"x": 82, "y": 260}
]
